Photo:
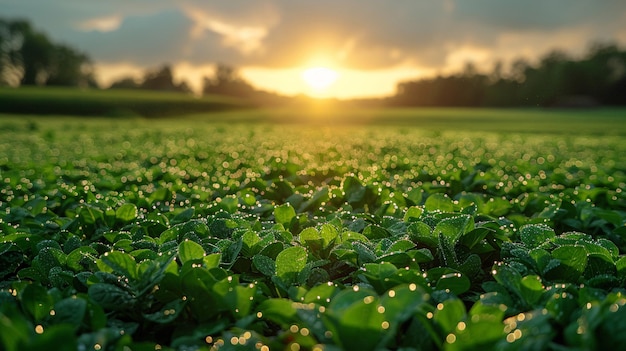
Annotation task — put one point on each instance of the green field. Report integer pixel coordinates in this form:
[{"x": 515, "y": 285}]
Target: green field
[
  {"x": 109, "y": 103},
  {"x": 314, "y": 229},
  {"x": 601, "y": 121}
]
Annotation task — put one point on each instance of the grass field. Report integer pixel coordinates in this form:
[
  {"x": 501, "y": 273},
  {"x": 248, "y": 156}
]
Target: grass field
[
  {"x": 604, "y": 121},
  {"x": 312, "y": 229},
  {"x": 109, "y": 103}
]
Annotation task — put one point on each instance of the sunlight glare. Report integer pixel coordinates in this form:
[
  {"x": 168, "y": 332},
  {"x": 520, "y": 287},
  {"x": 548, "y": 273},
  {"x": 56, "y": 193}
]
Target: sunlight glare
[{"x": 319, "y": 78}]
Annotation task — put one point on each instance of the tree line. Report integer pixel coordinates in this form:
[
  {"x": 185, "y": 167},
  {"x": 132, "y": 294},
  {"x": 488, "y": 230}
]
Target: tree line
[
  {"x": 558, "y": 79},
  {"x": 29, "y": 57}
]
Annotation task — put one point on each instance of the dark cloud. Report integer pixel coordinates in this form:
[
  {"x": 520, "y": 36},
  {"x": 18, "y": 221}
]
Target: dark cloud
[{"x": 144, "y": 40}]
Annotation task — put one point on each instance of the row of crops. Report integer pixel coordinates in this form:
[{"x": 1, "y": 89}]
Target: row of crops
[{"x": 123, "y": 235}]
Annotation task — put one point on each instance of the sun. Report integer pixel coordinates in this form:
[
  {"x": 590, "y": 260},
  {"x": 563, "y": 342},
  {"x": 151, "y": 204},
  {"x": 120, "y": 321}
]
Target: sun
[{"x": 319, "y": 78}]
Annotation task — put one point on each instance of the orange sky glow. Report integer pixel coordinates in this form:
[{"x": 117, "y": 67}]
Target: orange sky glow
[{"x": 371, "y": 45}]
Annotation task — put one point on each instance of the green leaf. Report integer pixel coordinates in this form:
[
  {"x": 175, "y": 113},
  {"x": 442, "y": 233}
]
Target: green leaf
[
  {"x": 48, "y": 258},
  {"x": 37, "y": 301},
  {"x": 532, "y": 289},
  {"x": 355, "y": 320},
  {"x": 264, "y": 264},
  {"x": 279, "y": 311},
  {"x": 111, "y": 297},
  {"x": 413, "y": 213},
  {"x": 290, "y": 262},
  {"x": 71, "y": 311},
  {"x": 121, "y": 263},
  {"x": 353, "y": 189},
  {"x": 80, "y": 258},
  {"x": 212, "y": 260},
  {"x": 328, "y": 233},
  {"x": 190, "y": 251},
  {"x": 168, "y": 313},
  {"x": 126, "y": 213},
  {"x": 448, "y": 279},
  {"x": 61, "y": 336},
  {"x": 438, "y": 202},
  {"x": 422, "y": 233},
  {"x": 197, "y": 284},
  {"x": 452, "y": 228},
  {"x": 533, "y": 235},
  {"x": 377, "y": 275},
  {"x": 284, "y": 214},
  {"x": 621, "y": 266},
  {"x": 402, "y": 302},
  {"x": 15, "y": 329},
  {"x": 448, "y": 314},
  {"x": 184, "y": 216},
  {"x": 236, "y": 297},
  {"x": 573, "y": 262}
]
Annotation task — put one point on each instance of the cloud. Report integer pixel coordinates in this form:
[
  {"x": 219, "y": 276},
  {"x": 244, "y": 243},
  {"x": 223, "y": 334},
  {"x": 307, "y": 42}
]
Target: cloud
[{"x": 359, "y": 34}]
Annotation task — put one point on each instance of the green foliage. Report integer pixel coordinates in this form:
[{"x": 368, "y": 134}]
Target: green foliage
[{"x": 186, "y": 236}]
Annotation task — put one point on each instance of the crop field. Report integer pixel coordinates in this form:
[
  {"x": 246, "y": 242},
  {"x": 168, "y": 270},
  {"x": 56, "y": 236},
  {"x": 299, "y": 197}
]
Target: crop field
[
  {"x": 110, "y": 103},
  {"x": 448, "y": 233}
]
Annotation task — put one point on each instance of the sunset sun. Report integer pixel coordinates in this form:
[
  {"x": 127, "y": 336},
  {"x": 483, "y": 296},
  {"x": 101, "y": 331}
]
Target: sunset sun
[{"x": 319, "y": 78}]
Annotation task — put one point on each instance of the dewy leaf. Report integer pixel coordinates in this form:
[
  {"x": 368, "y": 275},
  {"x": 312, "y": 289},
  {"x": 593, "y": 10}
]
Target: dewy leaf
[
  {"x": 328, "y": 233},
  {"x": 573, "y": 262},
  {"x": 110, "y": 297},
  {"x": 121, "y": 263},
  {"x": 284, "y": 214},
  {"x": 80, "y": 256},
  {"x": 264, "y": 264},
  {"x": 452, "y": 228},
  {"x": 290, "y": 262},
  {"x": 413, "y": 213},
  {"x": 189, "y": 250},
  {"x": 533, "y": 235},
  {"x": 126, "y": 213}
]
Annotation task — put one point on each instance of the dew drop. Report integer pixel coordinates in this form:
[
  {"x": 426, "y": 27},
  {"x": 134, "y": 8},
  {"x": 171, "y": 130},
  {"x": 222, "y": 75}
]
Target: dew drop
[
  {"x": 39, "y": 329},
  {"x": 451, "y": 338}
]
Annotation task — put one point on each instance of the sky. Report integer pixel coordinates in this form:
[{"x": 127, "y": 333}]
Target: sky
[{"x": 370, "y": 44}]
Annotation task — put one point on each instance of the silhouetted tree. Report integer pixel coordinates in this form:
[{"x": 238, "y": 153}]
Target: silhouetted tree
[
  {"x": 28, "y": 57},
  {"x": 125, "y": 83},
  {"x": 158, "y": 79},
  {"x": 70, "y": 68},
  {"x": 226, "y": 81},
  {"x": 558, "y": 79}
]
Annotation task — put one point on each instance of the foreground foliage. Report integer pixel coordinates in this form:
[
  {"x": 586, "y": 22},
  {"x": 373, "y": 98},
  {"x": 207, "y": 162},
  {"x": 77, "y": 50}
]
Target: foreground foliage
[{"x": 134, "y": 236}]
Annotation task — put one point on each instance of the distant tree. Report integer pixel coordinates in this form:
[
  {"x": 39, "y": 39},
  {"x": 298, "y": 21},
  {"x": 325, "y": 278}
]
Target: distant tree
[
  {"x": 163, "y": 79},
  {"x": 558, "y": 79},
  {"x": 464, "y": 89},
  {"x": 70, "y": 68},
  {"x": 125, "y": 83},
  {"x": 28, "y": 57},
  {"x": 160, "y": 79},
  {"x": 226, "y": 81}
]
